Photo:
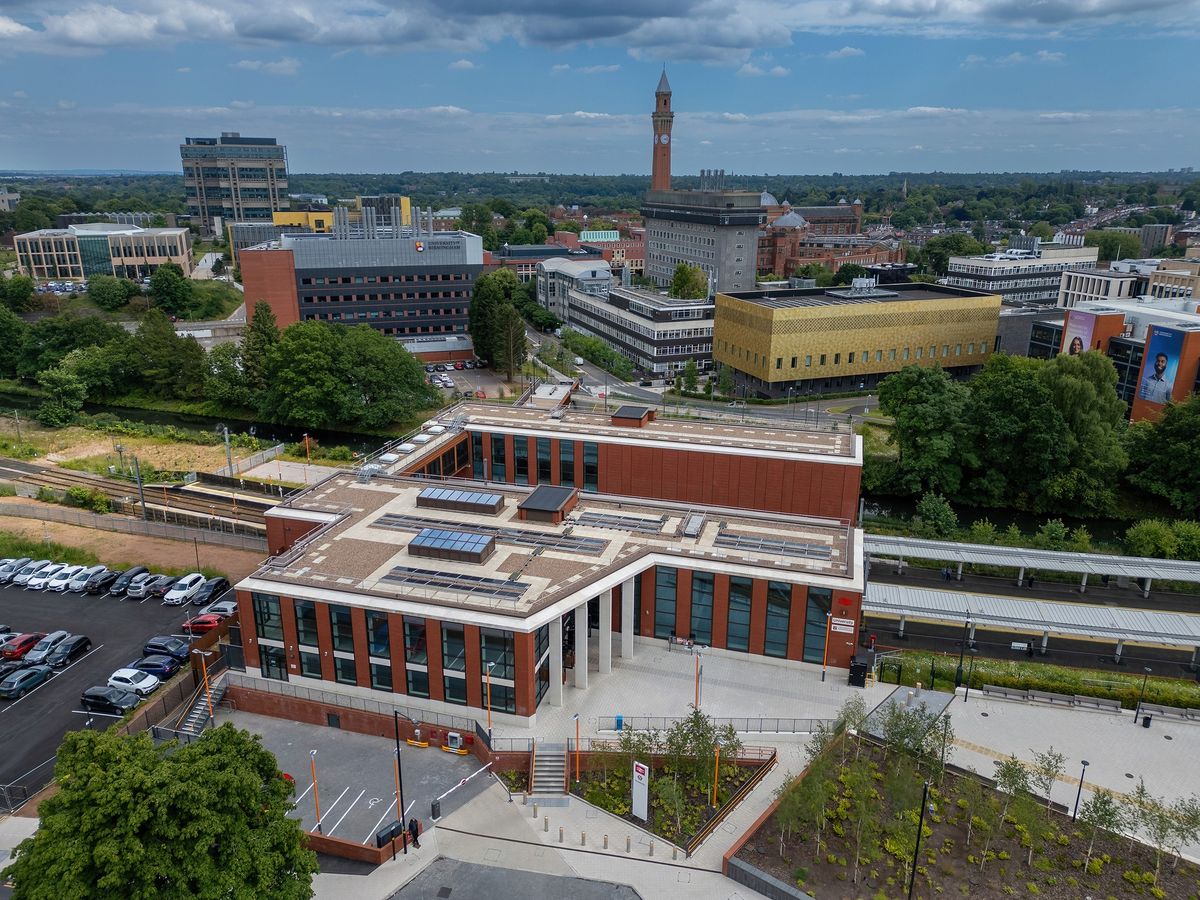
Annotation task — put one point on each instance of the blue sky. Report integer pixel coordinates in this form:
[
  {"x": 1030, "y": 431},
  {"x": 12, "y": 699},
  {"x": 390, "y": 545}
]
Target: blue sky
[{"x": 778, "y": 86}]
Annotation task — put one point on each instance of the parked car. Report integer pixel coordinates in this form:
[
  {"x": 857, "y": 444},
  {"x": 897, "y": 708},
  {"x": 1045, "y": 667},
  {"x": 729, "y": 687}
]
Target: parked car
[
  {"x": 19, "y": 646},
  {"x": 470, "y": 364},
  {"x": 165, "y": 645},
  {"x": 579, "y": 360},
  {"x": 184, "y": 589},
  {"x": 160, "y": 587},
  {"x": 75, "y": 646},
  {"x": 224, "y": 608},
  {"x": 163, "y": 667},
  {"x": 62, "y": 578},
  {"x": 113, "y": 701},
  {"x": 12, "y": 567},
  {"x": 460, "y": 365},
  {"x": 210, "y": 591},
  {"x": 102, "y": 582},
  {"x": 141, "y": 683},
  {"x": 121, "y": 585},
  {"x": 79, "y": 583},
  {"x": 41, "y": 578},
  {"x": 29, "y": 570},
  {"x": 21, "y": 682},
  {"x": 8, "y": 666},
  {"x": 7, "y": 632},
  {"x": 139, "y": 587},
  {"x": 203, "y": 624},
  {"x": 42, "y": 648},
  {"x": 430, "y": 367}
]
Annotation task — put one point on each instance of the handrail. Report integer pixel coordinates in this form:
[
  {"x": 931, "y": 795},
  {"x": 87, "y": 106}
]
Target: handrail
[
  {"x": 738, "y": 796},
  {"x": 187, "y": 707},
  {"x": 532, "y": 762}
]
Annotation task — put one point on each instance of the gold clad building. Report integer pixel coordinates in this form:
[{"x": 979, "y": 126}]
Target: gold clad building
[{"x": 818, "y": 340}]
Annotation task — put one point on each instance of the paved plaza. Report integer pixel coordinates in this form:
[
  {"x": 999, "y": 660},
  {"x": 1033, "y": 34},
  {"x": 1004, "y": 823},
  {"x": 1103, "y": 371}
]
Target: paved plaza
[{"x": 474, "y": 880}]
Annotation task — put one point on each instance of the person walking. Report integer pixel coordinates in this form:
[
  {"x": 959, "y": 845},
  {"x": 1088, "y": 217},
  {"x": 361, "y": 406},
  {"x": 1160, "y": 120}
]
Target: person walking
[{"x": 414, "y": 833}]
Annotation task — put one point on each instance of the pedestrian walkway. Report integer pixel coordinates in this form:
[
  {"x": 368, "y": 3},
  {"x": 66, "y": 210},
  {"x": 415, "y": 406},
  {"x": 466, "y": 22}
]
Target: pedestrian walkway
[{"x": 287, "y": 472}]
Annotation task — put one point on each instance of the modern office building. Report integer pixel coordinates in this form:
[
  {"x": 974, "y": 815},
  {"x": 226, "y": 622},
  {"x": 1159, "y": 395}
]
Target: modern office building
[
  {"x": 1089, "y": 284},
  {"x": 409, "y": 282},
  {"x": 1029, "y": 271},
  {"x": 233, "y": 178},
  {"x": 812, "y": 340},
  {"x": 1175, "y": 279},
  {"x": 541, "y": 552},
  {"x": 523, "y": 259},
  {"x": 101, "y": 248},
  {"x": 140, "y": 219},
  {"x": 8, "y": 199},
  {"x": 555, "y": 277},
  {"x": 657, "y": 333}
]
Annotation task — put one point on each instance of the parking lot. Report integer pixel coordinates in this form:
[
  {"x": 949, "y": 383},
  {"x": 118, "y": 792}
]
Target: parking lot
[
  {"x": 34, "y": 725},
  {"x": 485, "y": 380},
  {"x": 356, "y": 777}
]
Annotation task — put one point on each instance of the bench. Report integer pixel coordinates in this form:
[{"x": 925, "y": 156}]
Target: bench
[
  {"x": 1049, "y": 697},
  {"x": 1098, "y": 702},
  {"x": 994, "y": 690},
  {"x": 1154, "y": 709}
]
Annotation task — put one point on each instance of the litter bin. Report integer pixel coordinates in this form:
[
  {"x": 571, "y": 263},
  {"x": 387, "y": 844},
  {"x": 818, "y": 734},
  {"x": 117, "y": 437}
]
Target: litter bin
[
  {"x": 1145, "y": 721},
  {"x": 435, "y": 810},
  {"x": 620, "y": 722}
]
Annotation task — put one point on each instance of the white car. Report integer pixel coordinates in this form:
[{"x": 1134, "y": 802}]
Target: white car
[
  {"x": 41, "y": 578},
  {"x": 28, "y": 571},
  {"x": 141, "y": 683},
  {"x": 184, "y": 589},
  {"x": 62, "y": 578},
  {"x": 222, "y": 608},
  {"x": 79, "y": 582}
]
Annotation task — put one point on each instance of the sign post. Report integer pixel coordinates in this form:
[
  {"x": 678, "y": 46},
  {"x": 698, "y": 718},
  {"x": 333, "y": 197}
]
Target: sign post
[{"x": 641, "y": 790}]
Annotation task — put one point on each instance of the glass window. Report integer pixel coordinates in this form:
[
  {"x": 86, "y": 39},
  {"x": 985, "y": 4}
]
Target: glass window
[
  {"x": 499, "y": 470},
  {"x": 274, "y": 662},
  {"x": 267, "y": 621},
  {"x": 591, "y": 466},
  {"x": 543, "y": 460},
  {"x": 808, "y": 361},
  {"x": 664, "y": 601},
  {"x": 637, "y": 604},
  {"x": 822, "y": 359},
  {"x": 345, "y": 671},
  {"x": 521, "y": 459},
  {"x": 454, "y": 650},
  {"x": 497, "y": 647},
  {"x": 310, "y": 665},
  {"x": 418, "y": 683},
  {"x": 306, "y": 622},
  {"x": 343, "y": 628},
  {"x": 381, "y": 677},
  {"x": 541, "y": 642},
  {"x": 456, "y": 689},
  {"x": 779, "y": 606},
  {"x": 503, "y": 697},
  {"x": 477, "y": 456},
  {"x": 377, "y": 634},
  {"x": 738, "y": 636},
  {"x": 415, "y": 650},
  {"x": 702, "y": 601},
  {"x": 566, "y": 463},
  {"x": 820, "y": 602}
]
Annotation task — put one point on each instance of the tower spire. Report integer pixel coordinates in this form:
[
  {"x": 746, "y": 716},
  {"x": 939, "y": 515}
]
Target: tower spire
[{"x": 662, "y": 119}]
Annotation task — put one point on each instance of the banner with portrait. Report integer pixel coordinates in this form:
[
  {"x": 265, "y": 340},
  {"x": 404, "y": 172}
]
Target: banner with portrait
[
  {"x": 1077, "y": 335},
  {"x": 1160, "y": 365}
]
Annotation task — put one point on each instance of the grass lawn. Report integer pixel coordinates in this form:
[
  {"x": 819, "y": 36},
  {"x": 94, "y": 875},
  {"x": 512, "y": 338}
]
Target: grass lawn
[{"x": 214, "y": 300}]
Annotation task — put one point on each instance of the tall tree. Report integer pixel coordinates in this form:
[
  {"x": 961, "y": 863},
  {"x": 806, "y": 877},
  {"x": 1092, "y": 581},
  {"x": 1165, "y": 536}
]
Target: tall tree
[
  {"x": 18, "y": 293},
  {"x": 65, "y": 393},
  {"x": 1164, "y": 456},
  {"x": 927, "y": 406},
  {"x": 491, "y": 292},
  {"x": 48, "y": 341},
  {"x": 12, "y": 336},
  {"x": 689, "y": 282},
  {"x": 511, "y": 347},
  {"x": 261, "y": 338},
  {"x": 171, "y": 290},
  {"x": 108, "y": 292},
  {"x": 127, "y": 821},
  {"x": 170, "y": 365},
  {"x": 935, "y": 254},
  {"x": 847, "y": 273},
  {"x": 1100, "y": 814},
  {"x": 1114, "y": 244}
]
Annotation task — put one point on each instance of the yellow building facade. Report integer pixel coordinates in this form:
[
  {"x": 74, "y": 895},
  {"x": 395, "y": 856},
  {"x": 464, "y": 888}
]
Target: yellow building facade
[
  {"x": 811, "y": 340},
  {"x": 319, "y": 221}
]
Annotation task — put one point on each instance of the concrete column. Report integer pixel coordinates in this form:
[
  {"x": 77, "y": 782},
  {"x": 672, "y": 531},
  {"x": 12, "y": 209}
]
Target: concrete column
[
  {"x": 1117, "y": 655},
  {"x": 971, "y": 636},
  {"x": 958, "y": 575},
  {"x": 1196, "y": 657},
  {"x": 900, "y": 633},
  {"x": 1146, "y": 592},
  {"x": 555, "y": 692},
  {"x": 1045, "y": 641},
  {"x": 1020, "y": 576},
  {"x": 1083, "y": 584},
  {"x": 606, "y": 632},
  {"x": 627, "y": 614},
  {"x": 581, "y": 646}
]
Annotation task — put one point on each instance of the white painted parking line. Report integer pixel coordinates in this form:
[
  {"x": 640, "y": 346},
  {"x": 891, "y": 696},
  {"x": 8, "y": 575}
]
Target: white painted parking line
[
  {"x": 330, "y": 809},
  {"x": 50, "y": 679},
  {"x": 305, "y": 794},
  {"x": 347, "y": 812},
  {"x": 374, "y": 831}
]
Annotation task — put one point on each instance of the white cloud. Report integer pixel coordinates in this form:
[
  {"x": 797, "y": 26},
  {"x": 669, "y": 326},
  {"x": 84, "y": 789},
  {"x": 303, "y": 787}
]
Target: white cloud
[
  {"x": 67, "y": 104},
  {"x": 779, "y": 71},
  {"x": 845, "y": 53},
  {"x": 1064, "y": 116},
  {"x": 241, "y": 104},
  {"x": 288, "y": 65},
  {"x": 463, "y": 65},
  {"x": 599, "y": 70},
  {"x": 183, "y": 70},
  {"x": 560, "y": 67},
  {"x": 581, "y": 114},
  {"x": 1013, "y": 59},
  {"x": 752, "y": 70},
  {"x": 1016, "y": 58},
  {"x": 20, "y": 95},
  {"x": 11, "y": 28},
  {"x": 1048, "y": 56}
]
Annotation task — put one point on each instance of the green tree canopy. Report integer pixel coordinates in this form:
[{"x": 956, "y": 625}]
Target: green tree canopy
[
  {"x": 689, "y": 282},
  {"x": 18, "y": 293},
  {"x": 12, "y": 337},
  {"x": 207, "y": 820},
  {"x": 847, "y": 273},
  {"x": 512, "y": 348},
  {"x": 111, "y": 293},
  {"x": 1043, "y": 230},
  {"x": 935, "y": 255},
  {"x": 1164, "y": 456},
  {"x": 48, "y": 340},
  {"x": 65, "y": 393},
  {"x": 171, "y": 289},
  {"x": 492, "y": 292},
  {"x": 262, "y": 335},
  {"x": 927, "y": 406},
  {"x": 821, "y": 275},
  {"x": 1114, "y": 244}
]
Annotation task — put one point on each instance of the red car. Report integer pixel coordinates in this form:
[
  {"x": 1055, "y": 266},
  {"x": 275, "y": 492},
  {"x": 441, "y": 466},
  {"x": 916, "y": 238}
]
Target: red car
[
  {"x": 202, "y": 624},
  {"x": 17, "y": 647}
]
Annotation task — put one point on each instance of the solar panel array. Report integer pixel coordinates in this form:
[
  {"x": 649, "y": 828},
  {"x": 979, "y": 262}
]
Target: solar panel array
[
  {"x": 622, "y": 523},
  {"x": 772, "y": 545},
  {"x": 466, "y": 584},
  {"x": 588, "y": 546},
  {"x": 466, "y": 501}
]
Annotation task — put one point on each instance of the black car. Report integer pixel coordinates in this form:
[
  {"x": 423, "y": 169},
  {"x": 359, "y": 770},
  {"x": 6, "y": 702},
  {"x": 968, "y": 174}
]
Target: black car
[
  {"x": 68, "y": 651},
  {"x": 118, "y": 587},
  {"x": 161, "y": 666},
  {"x": 210, "y": 591},
  {"x": 159, "y": 588},
  {"x": 109, "y": 700},
  {"x": 102, "y": 582},
  {"x": 165, "y": 645}
]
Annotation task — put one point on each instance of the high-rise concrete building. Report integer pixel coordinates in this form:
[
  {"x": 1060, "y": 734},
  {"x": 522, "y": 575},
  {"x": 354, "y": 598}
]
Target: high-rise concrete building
[
  {"x": 8, "y": 199},
  {"x": 1029, "y": 271},
  {"x": 234, "y": 178}
]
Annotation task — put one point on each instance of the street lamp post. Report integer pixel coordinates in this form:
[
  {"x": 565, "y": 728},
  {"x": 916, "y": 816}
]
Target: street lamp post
[
  {"x": 912, "y": 879},
  {"x": 825, "y": 655},
  {"x": 1079, "y": 792},
  {"x": 577, "y": 748},
  {"x": 212, "y": 718},
  {"x": 316, "y": 794},
  {"x": 399, "y": 774},
  {"x": 970, "y": 675},
  {"x": 788, "y": 411},
  {"x": 490, "y": 666},
  {"x": 962, "y": 648},
  {"x": 1142, "y": 695}
]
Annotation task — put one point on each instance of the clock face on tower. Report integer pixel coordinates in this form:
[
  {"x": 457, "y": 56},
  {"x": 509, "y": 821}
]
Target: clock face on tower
[{"x": 664, "y": 138}]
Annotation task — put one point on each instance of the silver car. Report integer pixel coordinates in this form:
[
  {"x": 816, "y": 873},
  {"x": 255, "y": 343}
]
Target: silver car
[{"x": 44, "y": 647}]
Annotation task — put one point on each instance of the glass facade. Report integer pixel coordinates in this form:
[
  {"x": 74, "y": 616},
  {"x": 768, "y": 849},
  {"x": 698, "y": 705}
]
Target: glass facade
[
  {"x": 503, "y": 697},
  {"x": 306, "y": 623},
  {"x": 779, "y": 607},
  {"x": 274, "y": 662},
  {"x": 415, "y": 650},
  {"x": 497, "y": 647},
  {"x": 456, "y": 689},
  {"x": 664, "y": 601},
  {"x": 477, "y": 459},
  {"x": 344, "y": 670},
  {"x": 95, "y": 255},
  {"x": 521, "y": 459},
  {"x": 310, "y": 665},
  {"x": 738, "y": 635},
  {"x": 543, "y": 461},
  {"x": 499, "y": 468},
  {"x": 591, "y": 466},
  {"x": 702, "y": 604},
  {"x": 377, "y": 634},
  {"x": 343, "y": 628},
  {"x": 267, "y": 621},
  {"x": 381, "y": 677},
  {"x": 566, "y": 463},
  {"x": 418, "y": 683},
  {"x": 454, "y": 648},
  {"x": 820, "y": 602}
]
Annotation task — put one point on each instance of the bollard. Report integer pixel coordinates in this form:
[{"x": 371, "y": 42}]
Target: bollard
[
  {"x": 535, "y": 810},
  {"x": 545, "y": 823},
  {"x": 606, "y": 842},
  {"x": 583, "y": 839},
  {"x": 674, "y": 853},
  {"x": 525, "y": 802},
  {"x": 560, "y": 834},
  {"x": 652, "y": 848},
  {"x": 628, "y": 841}
]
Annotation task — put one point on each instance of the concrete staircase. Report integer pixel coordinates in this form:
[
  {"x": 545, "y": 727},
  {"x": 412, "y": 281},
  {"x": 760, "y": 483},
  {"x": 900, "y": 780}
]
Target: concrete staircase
[
  {"x": 197, "y": 719},
  {"x": 549, "y": 771}
]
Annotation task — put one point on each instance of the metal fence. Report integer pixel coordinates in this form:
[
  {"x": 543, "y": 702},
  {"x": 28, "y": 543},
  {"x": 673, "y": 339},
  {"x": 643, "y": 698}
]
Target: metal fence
[
  {"x": 162, "y": 734},
  {"x": 128, "y": 525},
  {"x": 14, "y": 796},
  {"x": 741, "y": 726},
  {"x": 272, "y": 491},
  {"x": 254, "y": 459}
]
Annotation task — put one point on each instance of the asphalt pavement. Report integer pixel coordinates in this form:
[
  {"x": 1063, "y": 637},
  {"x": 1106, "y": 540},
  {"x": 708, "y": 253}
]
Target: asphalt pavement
[{"x": 452, "y": 878}]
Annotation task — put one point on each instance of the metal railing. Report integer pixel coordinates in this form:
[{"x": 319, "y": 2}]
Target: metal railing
[
  {"x": 254, "y": 459},
  {"x": 128, "y": 525},
  {"x": 763, "y": 725},
  {"x": 13, "y": 796},
  {"x": 162, "y": 734}
]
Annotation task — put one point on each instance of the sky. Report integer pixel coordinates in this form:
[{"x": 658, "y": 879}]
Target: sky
[{"x": 760, "y": 86}]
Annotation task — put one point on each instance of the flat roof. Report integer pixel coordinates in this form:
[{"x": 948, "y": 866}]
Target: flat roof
[
  {"x": 795, "y": 298},
  {"x": 538, "y": 569},
  {"x": 548, "y": 498},
  {"x": 629, "y": 411}
]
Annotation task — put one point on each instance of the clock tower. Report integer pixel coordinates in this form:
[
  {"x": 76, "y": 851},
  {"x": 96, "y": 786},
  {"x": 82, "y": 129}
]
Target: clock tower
[{"x": 660, "y": 179}]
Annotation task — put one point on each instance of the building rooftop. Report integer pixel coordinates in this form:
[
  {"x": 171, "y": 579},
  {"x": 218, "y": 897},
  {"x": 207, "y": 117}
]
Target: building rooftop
[
  {"x": 576, "y": 267},
  {"x": 793, "y": 298},
  {"x": 100, "y": 229},
  {"x": 331, "y": 250},
  {"x": 499, "y": 565}
]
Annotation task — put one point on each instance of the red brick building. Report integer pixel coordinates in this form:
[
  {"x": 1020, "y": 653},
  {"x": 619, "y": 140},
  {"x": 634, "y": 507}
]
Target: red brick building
[{"x": 789, "y": 242}]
